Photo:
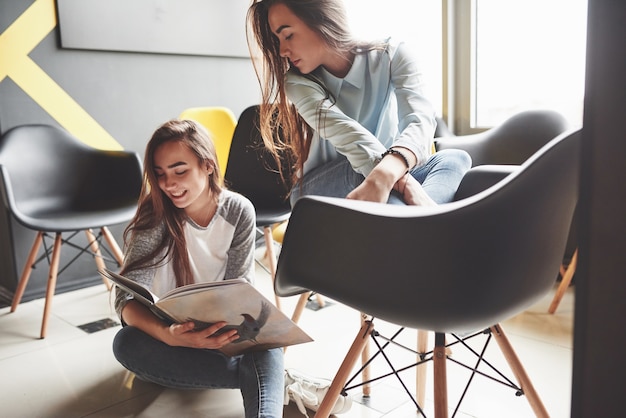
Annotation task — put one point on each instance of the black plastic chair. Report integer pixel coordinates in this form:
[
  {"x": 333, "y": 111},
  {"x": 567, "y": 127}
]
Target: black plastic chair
[
  {"x": 253, "y": 172},
  {"x": 514, "y": 142},
  {"x": 52, "y": 183},
  {"x": 477, "y": 261}
]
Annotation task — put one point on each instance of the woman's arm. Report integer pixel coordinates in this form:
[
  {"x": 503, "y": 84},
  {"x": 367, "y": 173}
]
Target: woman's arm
[
  {"x": 416, "y": 128},
  {"x": 181, "y": 335},
  {"x": 348, "y": 136},
  {"x": 240, "y": 212},
  {"x": 140, "y": 245},
  {"x": 416, "y": 116}
]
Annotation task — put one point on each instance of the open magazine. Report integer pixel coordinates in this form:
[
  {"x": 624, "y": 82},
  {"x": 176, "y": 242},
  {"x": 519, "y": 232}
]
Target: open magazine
[{"x": 260, "y": 324}]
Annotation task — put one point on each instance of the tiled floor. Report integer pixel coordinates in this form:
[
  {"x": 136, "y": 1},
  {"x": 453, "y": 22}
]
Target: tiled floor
[{"x": 73, "y": 373}]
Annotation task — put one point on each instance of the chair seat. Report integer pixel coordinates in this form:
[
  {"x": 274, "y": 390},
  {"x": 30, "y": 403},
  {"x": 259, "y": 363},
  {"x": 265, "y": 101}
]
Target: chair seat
[
  {"x": 265, "y": 217},
  {"x": 64, "y": 220}
]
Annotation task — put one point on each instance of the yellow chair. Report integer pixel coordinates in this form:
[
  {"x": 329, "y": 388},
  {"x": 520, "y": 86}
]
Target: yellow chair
[{"x": 221, "y": 122}]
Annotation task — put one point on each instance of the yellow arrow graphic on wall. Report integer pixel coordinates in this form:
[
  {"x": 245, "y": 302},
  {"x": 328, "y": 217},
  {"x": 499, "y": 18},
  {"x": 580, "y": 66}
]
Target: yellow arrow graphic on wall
[{"x": 16, "y": 42}]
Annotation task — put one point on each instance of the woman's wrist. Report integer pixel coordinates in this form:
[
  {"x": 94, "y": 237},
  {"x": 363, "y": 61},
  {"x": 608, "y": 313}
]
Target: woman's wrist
[
  {"x": 399, "y": 154},
  {"x": 400, "y": 185},
  {"x": 384, "y": 175},
  {"x": 403, "y": 154}
]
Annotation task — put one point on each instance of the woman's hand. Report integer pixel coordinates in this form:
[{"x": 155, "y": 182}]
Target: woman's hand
[
  {"x": 181, "y": 335},
  {"x": 184, "y": 335},
  {"x": 412, "y": 192},
  {"x": 373, "y": 189},
  {"x": 391, "y": 173}
]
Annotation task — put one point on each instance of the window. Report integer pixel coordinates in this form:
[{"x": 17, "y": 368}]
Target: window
[
  {"x": 485, "y": 60},
  {"x": 527, "y": 55}
]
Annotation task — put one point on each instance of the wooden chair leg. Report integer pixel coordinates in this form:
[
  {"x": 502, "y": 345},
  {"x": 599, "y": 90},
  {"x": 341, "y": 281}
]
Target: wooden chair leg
[
  {"x": 297, "y": 312},
  {"x": 52, "y": 282},
  {"x": 28, "y": 268},
  {"x": 271, "y": 256},
  {"x": 566, "y": 278},
  {"x": 345, "y": 369},
  {"x": 421, "y": 371},
  {"x": 95, "y": 248},
  {"x": 115, "y": 249},
  {"x": 365, "y": 356},
  {"x": 320, "y": 300},
  {"x": 440, "y": 376},
  {"x": 518, "y": 370}
]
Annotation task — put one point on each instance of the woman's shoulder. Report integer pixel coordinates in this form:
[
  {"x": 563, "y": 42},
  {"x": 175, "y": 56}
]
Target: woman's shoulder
[
  {"x": 295, "y": 78},
  {"x": 233, "y": 205},
  {"x": 303, "y": 88},
  {"x": 385, "y": 47},
  {"x": 394, "y": 52}
]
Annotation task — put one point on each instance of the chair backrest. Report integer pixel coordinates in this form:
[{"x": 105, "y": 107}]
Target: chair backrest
[
  {"x": 253, "y": 172},
  {"x": 220, "y": 122},
  {"x": 46, "y": 172},
  {"x": 455, "y": 267},
  {"x": 512, "y": 142}
]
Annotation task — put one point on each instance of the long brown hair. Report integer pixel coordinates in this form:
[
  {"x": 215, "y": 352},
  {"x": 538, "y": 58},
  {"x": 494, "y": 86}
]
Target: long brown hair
[
  {"x": 156, "y": 210},
  {"x": 285, "y": 134}
]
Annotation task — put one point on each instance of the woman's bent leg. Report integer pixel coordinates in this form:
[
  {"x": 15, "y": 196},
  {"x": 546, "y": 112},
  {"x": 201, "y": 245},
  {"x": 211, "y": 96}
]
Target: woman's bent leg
[
  {"x": 259, "y": 375},
  {"x": 262, "y": 375},
  {"x": 441, "y": 175},
  {"x": 175, "y": 367},
  {"x": 333, "y": 179}
]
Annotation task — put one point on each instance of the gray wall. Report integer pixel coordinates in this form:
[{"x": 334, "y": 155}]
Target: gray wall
[{"x": 127, "y": 93}]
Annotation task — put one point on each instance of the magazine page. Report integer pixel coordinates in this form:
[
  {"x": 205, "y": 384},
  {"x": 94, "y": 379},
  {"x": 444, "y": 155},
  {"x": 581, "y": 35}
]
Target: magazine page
[
  {"x": 259, "y": 323},
  {"x": 140, "y": 293},
  {"x": 199, "y": 287}
]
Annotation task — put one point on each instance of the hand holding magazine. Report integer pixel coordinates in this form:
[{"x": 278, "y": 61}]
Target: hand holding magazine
[{"x": 259, "y": 323}]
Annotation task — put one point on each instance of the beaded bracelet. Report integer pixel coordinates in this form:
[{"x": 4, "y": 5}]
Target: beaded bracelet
[{"x": 399, "y": 154}]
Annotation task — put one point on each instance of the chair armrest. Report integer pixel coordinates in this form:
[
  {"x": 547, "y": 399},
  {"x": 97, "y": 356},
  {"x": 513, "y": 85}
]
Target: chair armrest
[
  {"x": 512, "y": 142},
  {"x": 480, "y": 178}
]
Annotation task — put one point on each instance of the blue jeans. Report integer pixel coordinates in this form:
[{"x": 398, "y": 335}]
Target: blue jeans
[
  {"x": 259, "y": 375},
  {"x": 440, "y": 177}
]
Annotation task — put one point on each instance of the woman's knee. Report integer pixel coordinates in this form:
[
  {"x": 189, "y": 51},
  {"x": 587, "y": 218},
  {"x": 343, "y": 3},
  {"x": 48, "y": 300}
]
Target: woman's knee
[
  {"x": 120, "y": 343},
  {"x": 454, "y": 159},
  {"x": 126, "y": 342}
]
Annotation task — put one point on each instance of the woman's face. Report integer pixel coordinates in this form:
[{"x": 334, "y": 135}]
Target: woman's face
[
  {"x": 181, "y": 176},
  {"x": 304, "y": 47}
]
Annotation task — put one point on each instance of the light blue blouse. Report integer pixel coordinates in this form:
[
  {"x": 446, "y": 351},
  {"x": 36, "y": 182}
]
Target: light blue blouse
[{"x": 379, "y": 103}]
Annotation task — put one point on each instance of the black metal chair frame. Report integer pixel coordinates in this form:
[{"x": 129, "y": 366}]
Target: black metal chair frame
[
  {"x": 376, "y": 337},
  {"x": 85, "y": 249}
]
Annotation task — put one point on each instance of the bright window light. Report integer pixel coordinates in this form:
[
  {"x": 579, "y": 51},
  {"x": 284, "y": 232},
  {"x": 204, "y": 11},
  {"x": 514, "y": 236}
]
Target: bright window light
[{"x": 529, "y": 55}]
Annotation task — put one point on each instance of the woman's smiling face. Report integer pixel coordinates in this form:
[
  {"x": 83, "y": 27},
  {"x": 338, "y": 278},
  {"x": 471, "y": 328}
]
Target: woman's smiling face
[{"x": 181, "y": 176}]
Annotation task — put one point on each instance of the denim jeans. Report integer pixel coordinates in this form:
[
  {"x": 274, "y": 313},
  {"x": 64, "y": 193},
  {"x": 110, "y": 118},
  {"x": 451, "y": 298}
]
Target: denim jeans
[
  {"x": 440, "y": 177},
  {"x": 259, "y": 375}
]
